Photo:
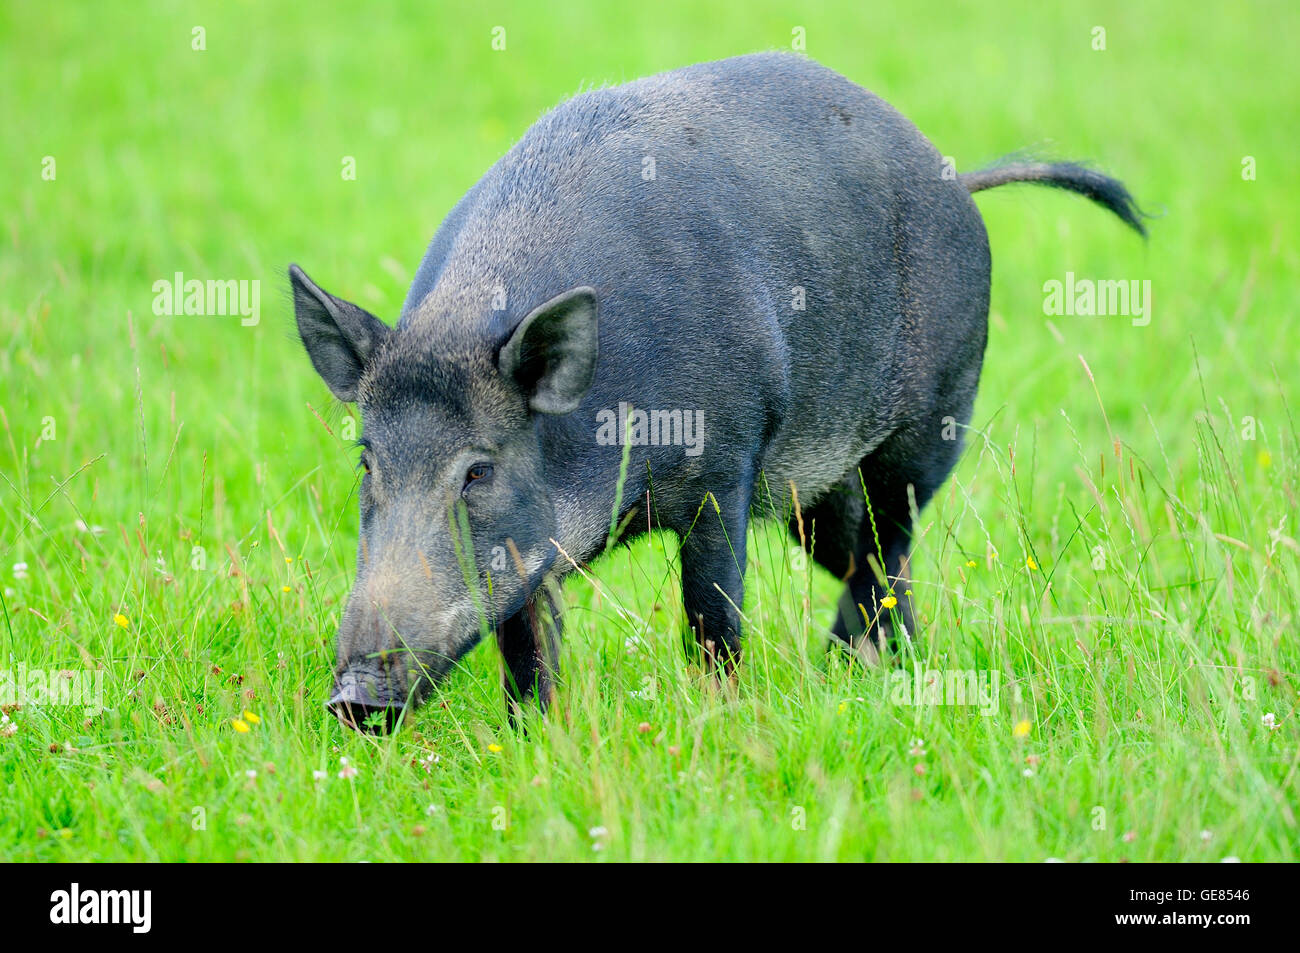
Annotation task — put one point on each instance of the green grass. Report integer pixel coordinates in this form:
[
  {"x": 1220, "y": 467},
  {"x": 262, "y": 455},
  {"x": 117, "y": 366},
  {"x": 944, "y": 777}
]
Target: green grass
[{"x": 1157, "y": 631}]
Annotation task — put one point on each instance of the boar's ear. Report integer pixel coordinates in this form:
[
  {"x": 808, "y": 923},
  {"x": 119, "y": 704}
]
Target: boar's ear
[
  {"x": 339, "y": 336},
  {"x": 552, "y": 354}
]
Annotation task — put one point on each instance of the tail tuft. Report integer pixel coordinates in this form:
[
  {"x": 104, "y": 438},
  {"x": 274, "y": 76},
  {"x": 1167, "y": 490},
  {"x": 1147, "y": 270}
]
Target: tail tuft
[{"x": 1070, "y": 176}]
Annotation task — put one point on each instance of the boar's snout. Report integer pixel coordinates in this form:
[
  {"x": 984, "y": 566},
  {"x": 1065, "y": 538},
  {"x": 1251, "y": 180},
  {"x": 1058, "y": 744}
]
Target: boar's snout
[{"x": 366, "y": 700}]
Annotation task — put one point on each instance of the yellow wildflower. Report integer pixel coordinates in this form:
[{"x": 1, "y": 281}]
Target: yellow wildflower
[
  {"x": 1021, "y": 729},
  {"x": 495, "y": 748},
  {"x": 251, "y": 718},
  {"x": 121, "y": 620},
  {"x": 241, "y": 726},
  {"x": 888, "y": 602}
]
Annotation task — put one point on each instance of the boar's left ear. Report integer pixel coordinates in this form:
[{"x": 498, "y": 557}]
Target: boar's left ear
[
  {"x": 339, "y": 336},
  {"x": 552, "y": 354}
]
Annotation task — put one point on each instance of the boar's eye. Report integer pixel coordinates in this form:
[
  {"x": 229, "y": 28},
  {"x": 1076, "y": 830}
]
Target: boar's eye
[{"x": 475, "y": 474}]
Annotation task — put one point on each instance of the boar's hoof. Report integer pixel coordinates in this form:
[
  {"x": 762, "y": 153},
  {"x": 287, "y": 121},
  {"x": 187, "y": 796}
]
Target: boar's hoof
[{"x": 865, "y": 651}]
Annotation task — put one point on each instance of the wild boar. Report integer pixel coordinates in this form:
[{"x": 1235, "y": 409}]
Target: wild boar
[{"x": 755, "y": 248}]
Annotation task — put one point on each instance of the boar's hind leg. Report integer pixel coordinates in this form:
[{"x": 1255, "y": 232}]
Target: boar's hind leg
[
  {"x": 529, "y": 643},
  {"x": 713, "y": 577},
  {"x": 828, "y": 530},
  {"x": 905, "y": 461}
]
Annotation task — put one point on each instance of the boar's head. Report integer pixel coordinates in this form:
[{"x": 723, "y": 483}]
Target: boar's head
[{"x": 456, "y": 513}]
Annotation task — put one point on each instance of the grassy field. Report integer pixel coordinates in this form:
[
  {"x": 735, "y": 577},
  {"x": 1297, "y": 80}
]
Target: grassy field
[{"x": 1118, "y": 547}]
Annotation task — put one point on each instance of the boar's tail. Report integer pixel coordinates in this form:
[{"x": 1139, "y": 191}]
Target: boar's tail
[{"x": 1070, "y": 176}]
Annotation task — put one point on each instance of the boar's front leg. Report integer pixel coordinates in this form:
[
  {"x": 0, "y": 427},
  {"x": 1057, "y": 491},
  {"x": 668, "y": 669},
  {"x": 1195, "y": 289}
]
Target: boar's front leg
[
  {"x": 530, "y": 643},
  {"x": 713, "y": 576}
]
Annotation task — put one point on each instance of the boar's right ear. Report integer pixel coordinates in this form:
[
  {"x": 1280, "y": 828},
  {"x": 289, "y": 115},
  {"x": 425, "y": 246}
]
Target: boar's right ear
[
  {"x": 551, "y": 355},
  {"x": 339, "y": 336}
]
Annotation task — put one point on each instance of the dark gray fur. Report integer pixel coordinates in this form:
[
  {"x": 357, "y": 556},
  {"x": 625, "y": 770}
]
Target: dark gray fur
[{"x": 771, "y": 173}]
